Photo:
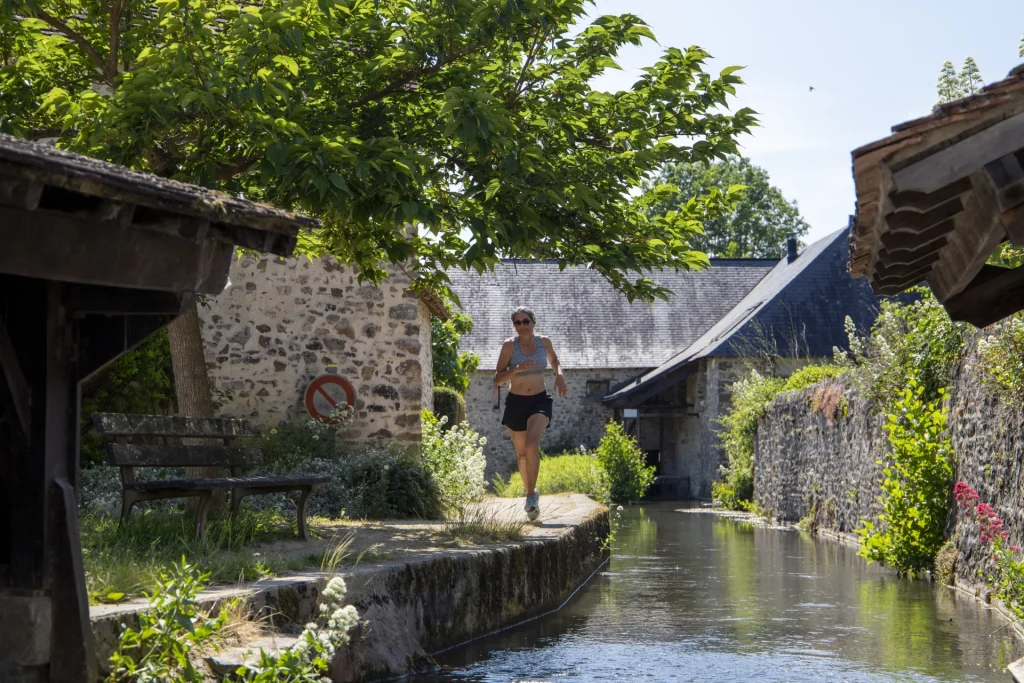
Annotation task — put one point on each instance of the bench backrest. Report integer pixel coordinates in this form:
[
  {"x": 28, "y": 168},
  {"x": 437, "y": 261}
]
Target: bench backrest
[{"x": 126, "y": 429}]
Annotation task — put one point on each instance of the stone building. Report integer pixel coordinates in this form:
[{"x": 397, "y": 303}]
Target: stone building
[
  {"x": 601, "y": 339},
  {"x": 793, "y": 316},
  {"x": 664, "y": 369},
  {"x": 282, "y": 321}
]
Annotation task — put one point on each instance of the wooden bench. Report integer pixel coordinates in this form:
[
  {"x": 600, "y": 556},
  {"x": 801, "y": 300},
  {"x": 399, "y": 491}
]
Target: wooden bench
[{"x": 149, "y": 441}]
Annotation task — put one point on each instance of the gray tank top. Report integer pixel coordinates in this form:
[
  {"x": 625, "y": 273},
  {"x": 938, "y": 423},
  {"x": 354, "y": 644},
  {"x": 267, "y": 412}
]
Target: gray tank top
[{"x": 539, "y": 357}]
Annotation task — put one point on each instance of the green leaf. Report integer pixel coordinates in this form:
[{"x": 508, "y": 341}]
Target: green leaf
[{"x": 288, "y": 63}]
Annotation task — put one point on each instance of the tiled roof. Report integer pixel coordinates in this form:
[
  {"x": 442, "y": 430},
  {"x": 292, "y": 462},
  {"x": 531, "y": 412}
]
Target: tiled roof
[
  {"x": 591, "y": 324},
  {"x": 807, "y": 299}
]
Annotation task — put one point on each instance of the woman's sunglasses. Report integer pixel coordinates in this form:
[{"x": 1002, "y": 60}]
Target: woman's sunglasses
[{"x": 525, "y": 321}]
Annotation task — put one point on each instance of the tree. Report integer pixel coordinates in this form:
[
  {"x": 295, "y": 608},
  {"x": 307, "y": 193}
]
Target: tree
[
  {"x": 949, "y": 85},
  {"x": 759, "y": 220},
  {"x": 970, "y": 77},
  {"x": 472, "y": 120},
  {"x": 451, "y": 368},
  {"x": 1020, "y": 47}
]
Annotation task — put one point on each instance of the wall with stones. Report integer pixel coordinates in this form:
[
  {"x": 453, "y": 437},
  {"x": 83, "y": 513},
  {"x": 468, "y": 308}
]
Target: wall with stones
[
  {"x": 577, "y": 418},
  {"x": 807, "y": 464},
  {"x": 282, "y": 321}
]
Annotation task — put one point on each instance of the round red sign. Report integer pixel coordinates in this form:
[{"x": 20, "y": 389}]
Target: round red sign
[{"x": 324, "y": 394}]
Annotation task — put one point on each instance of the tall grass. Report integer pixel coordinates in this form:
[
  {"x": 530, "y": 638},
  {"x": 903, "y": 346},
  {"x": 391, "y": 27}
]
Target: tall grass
[
  {"x": 476, "y": 525},
  {"x": 568, "y": 473},
  {"x": 123, "y": 562}
]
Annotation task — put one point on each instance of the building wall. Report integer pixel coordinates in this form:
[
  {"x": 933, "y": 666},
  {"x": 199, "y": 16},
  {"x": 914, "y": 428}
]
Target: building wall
[
  {"x": 578, "y": 420},
  {"x": 282, "y": 321}
]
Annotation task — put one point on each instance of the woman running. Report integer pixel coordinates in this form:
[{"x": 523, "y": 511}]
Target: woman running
[{"x": 528, "y": 405}]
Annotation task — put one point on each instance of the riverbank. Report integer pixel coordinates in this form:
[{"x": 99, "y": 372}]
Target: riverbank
[{"x": 416, "y": 593}]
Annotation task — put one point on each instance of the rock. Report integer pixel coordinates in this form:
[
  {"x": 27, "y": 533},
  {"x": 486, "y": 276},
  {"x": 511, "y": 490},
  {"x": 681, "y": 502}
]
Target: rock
[
  {"x": 241, "y": 337},
  {"x": 404, "y": 312}
]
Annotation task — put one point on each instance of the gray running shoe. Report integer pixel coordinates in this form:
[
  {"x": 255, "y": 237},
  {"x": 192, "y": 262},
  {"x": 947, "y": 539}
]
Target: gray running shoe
[{"x": 532, "y": 506}]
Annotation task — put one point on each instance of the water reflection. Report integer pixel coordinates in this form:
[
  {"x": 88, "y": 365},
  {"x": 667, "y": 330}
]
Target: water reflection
[{"x": 692, "y": 597}]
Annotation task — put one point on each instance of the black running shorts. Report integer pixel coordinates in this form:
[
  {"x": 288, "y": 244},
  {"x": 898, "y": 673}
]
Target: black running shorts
[{"x": 519, "y": 408}]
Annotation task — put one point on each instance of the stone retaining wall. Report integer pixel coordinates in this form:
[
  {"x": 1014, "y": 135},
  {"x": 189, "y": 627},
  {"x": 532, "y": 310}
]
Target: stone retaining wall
[
  {"x": 805, "y": 464},
  {"x": 414, "y": 607}
]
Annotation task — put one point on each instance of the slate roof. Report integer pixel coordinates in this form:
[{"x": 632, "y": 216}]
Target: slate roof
[
  {"x": 807, "y": 299},
  {"x": 591, "y": 324}
]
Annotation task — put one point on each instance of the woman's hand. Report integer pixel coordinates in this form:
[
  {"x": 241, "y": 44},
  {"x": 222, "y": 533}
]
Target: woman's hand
[
  {"x": 525, "y": 366},
  {"x": 560, "y": 386}
]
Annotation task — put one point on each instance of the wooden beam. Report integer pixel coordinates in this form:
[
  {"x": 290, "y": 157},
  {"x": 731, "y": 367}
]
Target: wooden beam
[
  {"x": 885, "y": 271},
  {"x": 17, "y": 385},
  {"x": 902, "y": 257},
  {"x": 994, "y": 294},
  {"x": 979, "y": 231},
  {"x": 20, "y": 193},
  {"x": 94, "y": 299},
  {"x": 923, "y": 201},
  {"x": 962, "y": 158},
  {"x": 1006, "y": 170},
  {"x": 915, "y": 221},
  {"x": 901, "y": 281},
  {"x": 908, "y": 239},
  {"x": 87, "y": 252},
  {"x": 71, "y": 646},
  {"x": 1013, "y": 223}
]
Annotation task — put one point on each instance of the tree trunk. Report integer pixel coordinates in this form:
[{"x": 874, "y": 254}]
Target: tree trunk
[{"x": 192, "y": 384}]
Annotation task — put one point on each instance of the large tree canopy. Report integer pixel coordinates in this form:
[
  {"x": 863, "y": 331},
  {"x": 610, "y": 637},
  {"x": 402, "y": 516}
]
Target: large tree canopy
[
  {"x": 472, "y": 120},
  {"x": 757, "y": 224}
]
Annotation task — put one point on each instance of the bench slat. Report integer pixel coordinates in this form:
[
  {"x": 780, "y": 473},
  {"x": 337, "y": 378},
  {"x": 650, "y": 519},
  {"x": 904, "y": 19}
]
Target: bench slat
[
  {"x": 252, "y": 483},
  {"x": 120, "y": 424},
  {"x": 171, "y": 455}
]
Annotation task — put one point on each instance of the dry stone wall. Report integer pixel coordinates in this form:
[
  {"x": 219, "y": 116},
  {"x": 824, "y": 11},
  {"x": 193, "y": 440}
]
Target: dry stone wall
[
  {"x": 281, "y": 322},
  {"x": 578, "y": 419},
  {"x": 805, "y": 464}
]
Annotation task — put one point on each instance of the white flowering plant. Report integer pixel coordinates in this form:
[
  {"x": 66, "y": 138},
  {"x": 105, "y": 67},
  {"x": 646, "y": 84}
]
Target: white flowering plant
[
  {"x": 455, "y": 459},
  {"x": 174, "y": 633}
]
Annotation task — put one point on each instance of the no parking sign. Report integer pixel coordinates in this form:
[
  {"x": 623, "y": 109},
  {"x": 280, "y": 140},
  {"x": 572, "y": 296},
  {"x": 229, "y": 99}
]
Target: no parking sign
[{"x": 326, "y": 393}]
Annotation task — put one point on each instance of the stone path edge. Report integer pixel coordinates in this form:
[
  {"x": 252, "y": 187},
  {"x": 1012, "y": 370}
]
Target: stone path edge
[{"x": 418, "y": 605}]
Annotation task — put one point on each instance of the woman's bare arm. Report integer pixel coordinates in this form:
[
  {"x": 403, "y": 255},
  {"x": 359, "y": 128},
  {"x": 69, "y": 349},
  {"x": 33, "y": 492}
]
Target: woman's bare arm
[
  {"x": 560, "y": 386},
  {"x": 502, "y": 373}
]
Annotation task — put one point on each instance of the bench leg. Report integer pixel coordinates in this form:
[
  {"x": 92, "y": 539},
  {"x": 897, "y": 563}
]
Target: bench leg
[
  {"x": 300, "y": 512},
  {"x": 128, "y": 499},
  {"x": 236, "y": 501},
  {"x": 204, "y": 505}
]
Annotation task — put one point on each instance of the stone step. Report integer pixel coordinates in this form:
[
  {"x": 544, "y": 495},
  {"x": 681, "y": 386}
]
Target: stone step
[
  {"x": 1017, "y": 670},
  {"x": 227, "y": 660}
]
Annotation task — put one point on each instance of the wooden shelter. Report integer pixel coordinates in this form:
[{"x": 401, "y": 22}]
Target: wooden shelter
[
  {"x": 95, "y": 259},
  {"x": 937, "y": 197}
]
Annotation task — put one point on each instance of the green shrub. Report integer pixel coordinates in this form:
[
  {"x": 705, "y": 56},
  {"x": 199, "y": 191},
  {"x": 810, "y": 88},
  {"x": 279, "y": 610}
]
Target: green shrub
[
  {"x": 628, "y": 474},
  {"x": 579, "y": 472},
  {"x": 455, "y": 459},
  {"x": 451, "y": 368},
  {"x": 750, "y": 399},
  {"x": 809, "y": 375},
  {"x": 1002, "y": 357},
  {"x": 915, "y": 486},
  {"x": 140, "y": 382},
  {"x": 449, "y": 403}
]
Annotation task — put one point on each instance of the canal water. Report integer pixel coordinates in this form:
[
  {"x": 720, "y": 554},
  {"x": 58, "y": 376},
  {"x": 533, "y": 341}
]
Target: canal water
[{"x": 695, "y": 597}]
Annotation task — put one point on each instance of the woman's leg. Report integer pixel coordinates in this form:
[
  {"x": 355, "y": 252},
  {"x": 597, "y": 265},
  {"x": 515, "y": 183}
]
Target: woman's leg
[
  {"x": 519, "y": 442},
  {"x": 535, "y": 426}
]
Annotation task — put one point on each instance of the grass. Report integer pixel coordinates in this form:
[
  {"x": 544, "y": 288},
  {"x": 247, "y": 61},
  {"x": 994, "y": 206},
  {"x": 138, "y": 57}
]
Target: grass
[
  {"x": 122, "y": 563},
  {"x": 475, "y": 526},
  {"x": 569, "y": 473}
]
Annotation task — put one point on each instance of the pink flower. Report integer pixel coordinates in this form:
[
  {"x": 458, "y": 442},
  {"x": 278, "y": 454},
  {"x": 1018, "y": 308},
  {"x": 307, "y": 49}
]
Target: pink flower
[
  {"x": 965, "y": 495},
  {"x": 1015, "y": 548}
]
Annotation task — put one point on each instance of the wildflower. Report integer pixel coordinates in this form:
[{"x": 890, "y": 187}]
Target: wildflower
[
  {"x": 618, "y": 509},
  {"x": 1015, "y": 548}
]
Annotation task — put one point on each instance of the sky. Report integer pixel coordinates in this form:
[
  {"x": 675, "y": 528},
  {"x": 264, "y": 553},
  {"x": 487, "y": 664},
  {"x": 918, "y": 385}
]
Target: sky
[{"x": 872, "y": 64}]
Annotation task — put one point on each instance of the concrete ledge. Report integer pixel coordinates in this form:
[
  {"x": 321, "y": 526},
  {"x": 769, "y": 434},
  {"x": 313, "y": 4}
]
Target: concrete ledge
[{"x": 416, "y": 606}]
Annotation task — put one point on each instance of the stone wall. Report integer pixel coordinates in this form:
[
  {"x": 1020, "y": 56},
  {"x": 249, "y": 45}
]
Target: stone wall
[
  {"x": 578, "y": 419},
  {"x": 805, "y": 463},
  {"x": 282, "y": 321}
]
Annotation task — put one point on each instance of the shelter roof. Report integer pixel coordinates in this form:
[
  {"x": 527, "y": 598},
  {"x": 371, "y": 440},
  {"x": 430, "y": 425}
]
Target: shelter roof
[
  {"x": 591, "y": 323},
  {"x": 35, "y": 176},
  {"x": 797, "y": 310},
  {"x": 938, "y": 196}
]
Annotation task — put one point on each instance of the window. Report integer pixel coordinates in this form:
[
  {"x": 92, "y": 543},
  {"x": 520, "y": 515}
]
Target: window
[{"x": 598, "y": 387}]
